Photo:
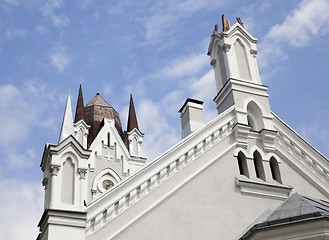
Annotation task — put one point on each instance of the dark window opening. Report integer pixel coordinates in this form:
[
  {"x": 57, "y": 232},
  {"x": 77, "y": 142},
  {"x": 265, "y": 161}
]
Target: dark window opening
[
  {"x": 259, "y": 168},
  {"x": 242, "y": 162}
]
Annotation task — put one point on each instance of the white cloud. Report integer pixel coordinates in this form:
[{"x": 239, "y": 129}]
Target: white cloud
[
  {"x": 48, "y": 10},
  {"x": 32, "y": 111},
  {"x": 51, "y": 5},
  {"x": 315, "y": 134},
  {"x": 185, "y": 66},
  {"x": 107, "y": 89},
  {"x": 171, "y": 102},
  {"x": 83, "y": 3},
  {"x": 59, "y": 57},
  {"x": 20, "y": 209},
  {"x": 303, "y": 24},
  {"x": 204, "y": 88},
  {"x": 298, "y": 29},
  {"x": 41, "y": 29},
  {"x": 162, "y": 19},
  {"x": 19, "y": 158},
  {"x": 60, "y": 20},
  {"x": 160, "y": 134},
  {"x": 96, "y": 15},
  {"x": 12, "y": 2},
  {"x": 14, "y": 32},
  {"x": 189, "y": 77}
]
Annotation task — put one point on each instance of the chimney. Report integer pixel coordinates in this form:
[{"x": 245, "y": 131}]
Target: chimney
[{"x": 191, "y": 116}]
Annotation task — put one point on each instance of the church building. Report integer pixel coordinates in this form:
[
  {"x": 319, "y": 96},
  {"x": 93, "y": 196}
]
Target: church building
[{"x": 244, "y": 175}]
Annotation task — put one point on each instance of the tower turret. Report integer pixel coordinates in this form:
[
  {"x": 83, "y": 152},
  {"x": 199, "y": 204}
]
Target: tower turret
[
  {"x": 81, "y": 128},
  {"x": 134, "y": 135},
  {"x": 233, "y": 56}
]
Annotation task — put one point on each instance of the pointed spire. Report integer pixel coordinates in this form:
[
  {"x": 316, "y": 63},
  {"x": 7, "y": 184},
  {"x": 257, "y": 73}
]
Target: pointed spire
[
  {"x": 80, "y": 110},
  {"x": 67, "y": 124},
  {"x": 132, "y": 119}
]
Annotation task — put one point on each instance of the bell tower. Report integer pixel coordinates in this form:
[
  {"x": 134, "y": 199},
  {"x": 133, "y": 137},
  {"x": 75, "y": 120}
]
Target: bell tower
[{"x": 233, "y": 54}]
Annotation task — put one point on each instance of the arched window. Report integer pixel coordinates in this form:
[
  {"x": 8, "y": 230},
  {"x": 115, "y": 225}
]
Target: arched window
[
  {"x": 241, "y": 57},
  {"x": 68, "y": 182},
  {"x": 275, "y": 170},
  {"x": 259, "y": 168},
  {"x": 243, "y": 167},
  {"x": 254, "y": 116},
  {"x": 134, "y": 147}
]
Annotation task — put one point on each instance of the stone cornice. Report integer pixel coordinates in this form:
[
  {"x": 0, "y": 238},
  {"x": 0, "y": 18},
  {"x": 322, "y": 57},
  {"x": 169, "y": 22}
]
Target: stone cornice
[
  {"x": 261, "y": 188},
  {"x": 69, "y": 141}
]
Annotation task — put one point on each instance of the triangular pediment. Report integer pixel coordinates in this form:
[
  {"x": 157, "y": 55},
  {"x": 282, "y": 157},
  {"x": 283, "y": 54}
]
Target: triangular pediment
[
  {"x": 165, "y": 167},
  {"x": 238, "y": 28},
  {"x": 178, "y": 171},
  {"x": 70, "y": 141}
]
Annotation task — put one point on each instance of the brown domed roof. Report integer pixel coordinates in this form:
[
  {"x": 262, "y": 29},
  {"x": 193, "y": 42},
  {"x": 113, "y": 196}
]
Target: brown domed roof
[{"x": 95, "y": 111}]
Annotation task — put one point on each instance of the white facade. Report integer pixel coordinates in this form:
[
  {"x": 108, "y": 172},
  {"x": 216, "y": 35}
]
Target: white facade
[{"x": 220, "y": 180}]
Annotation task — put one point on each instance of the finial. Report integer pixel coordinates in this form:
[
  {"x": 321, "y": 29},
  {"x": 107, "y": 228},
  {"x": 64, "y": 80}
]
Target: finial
[
  {"x": 216, "y": 28},
  {"x": 239, "y": 21},
  {"x": 225, "y": 23}
]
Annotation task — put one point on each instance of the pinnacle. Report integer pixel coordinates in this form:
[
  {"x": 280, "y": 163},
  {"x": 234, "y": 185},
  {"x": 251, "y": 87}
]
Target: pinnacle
[
  {"x": 132, "y": 118},
  {"x": 80, "y": 110}
]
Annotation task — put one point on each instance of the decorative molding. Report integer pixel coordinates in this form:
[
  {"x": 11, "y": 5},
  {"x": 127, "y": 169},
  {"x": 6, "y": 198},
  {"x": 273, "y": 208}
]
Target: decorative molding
[
  {"x": 301, "y": 150},
  {"x": 213, "y": 63},
  {"x": 82, "y": 172},
  {"x": 253, "y": 52},
  {"x": 241, "y": 133},
  {"x": 263, "y": 189},
  {"x": 226, "y": 47},
  {"x": 268, "y": 139},
  {"x": 45, "y": 182},
  {"x": 54, "y": 169}
]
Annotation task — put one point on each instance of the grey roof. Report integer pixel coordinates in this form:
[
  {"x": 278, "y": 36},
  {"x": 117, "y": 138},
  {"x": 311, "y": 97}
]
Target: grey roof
[
  {"x": 294, "y": 209},
  {"x": 298, "y": 205}
]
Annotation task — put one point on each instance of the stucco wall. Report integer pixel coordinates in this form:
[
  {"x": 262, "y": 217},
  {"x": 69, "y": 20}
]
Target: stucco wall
[{"x": 211, "y": 206}]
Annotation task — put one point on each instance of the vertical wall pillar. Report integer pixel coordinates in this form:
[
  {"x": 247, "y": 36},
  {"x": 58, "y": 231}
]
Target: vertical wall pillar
[
  {"x": 227, "y": 59},
  {"x": 83, "y": 186},
  {"x": 54, "y": 169}
]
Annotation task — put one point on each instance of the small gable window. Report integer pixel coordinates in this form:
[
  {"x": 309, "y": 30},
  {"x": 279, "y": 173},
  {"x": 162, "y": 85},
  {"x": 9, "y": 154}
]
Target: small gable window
[
  {"x": 108, "y": 139},
  {"x": 275, "y": 170},
  {"x": 242, "y": 162},
  {"x": 259, "y": 168}
]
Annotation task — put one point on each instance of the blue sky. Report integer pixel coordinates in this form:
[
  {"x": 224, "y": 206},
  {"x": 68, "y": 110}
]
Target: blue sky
[{"x": 155, "y": 50}]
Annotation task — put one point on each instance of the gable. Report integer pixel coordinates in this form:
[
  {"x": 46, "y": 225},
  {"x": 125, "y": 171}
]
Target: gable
[
  {"x": 202, "y": 183},
  {"x": 109, "y": 160}
]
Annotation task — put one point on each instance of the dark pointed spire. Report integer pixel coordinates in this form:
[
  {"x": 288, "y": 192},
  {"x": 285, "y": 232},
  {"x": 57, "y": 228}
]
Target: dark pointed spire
[
  {"x": 132, "y": 119},
  {"x": 80, "y": 110}
]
